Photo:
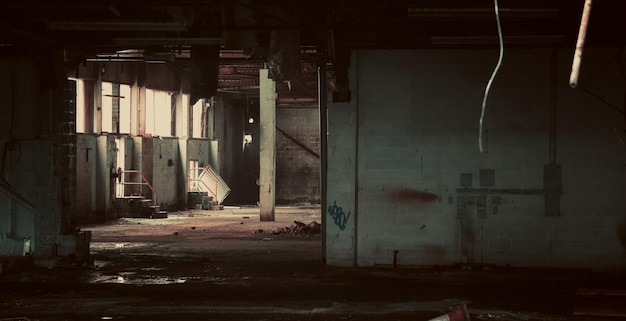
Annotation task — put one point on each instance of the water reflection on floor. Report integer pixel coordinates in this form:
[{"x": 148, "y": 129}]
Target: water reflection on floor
[
  {"x": 98, "y": 246},
  {"x": 135, "y": 278}
]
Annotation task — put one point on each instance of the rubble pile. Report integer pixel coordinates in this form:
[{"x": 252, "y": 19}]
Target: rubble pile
[{"x": 296, "y": 229}]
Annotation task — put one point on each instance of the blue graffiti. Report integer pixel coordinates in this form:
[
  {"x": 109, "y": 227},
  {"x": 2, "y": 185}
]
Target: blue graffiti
[{"x": 338, "y": 215}]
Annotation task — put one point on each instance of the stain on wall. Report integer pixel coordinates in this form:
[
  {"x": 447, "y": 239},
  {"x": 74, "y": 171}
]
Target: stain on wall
[{"x": 411, "y": 196}]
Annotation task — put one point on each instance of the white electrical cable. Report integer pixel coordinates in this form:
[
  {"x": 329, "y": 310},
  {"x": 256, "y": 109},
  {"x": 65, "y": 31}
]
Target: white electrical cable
[{"x": 493, "y": 75}]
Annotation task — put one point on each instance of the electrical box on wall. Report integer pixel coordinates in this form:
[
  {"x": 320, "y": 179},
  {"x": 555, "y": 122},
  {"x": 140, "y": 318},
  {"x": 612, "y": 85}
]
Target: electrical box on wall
[{"x": 170, "y": 162}]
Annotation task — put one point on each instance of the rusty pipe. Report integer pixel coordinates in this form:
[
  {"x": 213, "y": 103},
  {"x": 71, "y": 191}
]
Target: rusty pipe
[{"x": 580, "y": 43}]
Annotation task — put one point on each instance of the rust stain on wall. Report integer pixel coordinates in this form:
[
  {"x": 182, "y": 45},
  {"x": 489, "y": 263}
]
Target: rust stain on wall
[
  {"x": 411, "y": 196},
  {"x": 436, "y": 253}
]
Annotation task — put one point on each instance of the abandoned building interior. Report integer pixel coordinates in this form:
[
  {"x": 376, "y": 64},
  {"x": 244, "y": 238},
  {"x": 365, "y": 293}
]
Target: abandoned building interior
[{"x": 423, "y": 133}]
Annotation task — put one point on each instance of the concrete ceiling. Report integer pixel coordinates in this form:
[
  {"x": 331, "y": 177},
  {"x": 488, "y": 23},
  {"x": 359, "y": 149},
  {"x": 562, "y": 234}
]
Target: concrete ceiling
[{"x": 252, "y": 34}]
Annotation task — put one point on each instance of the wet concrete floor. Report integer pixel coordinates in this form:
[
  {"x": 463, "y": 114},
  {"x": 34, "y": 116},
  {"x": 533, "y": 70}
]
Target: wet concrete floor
[{"x": 227, "y": 265}]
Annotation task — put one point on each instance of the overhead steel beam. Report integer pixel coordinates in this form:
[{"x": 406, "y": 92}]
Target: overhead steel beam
[
  {"x": 115, "y": 26},
  {"x": 473, "y": 40},
  {"x": 166, "y": 41},
  {"x": 482, "y": 12}
]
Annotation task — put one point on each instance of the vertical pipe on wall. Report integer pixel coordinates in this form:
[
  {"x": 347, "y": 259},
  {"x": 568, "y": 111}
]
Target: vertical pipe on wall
[
  {"x": 323, "y": 110},
  {"x": 553, "y": 104},
  {"x": 580, "y": 43},
  {"x": 356, "y": 162}
]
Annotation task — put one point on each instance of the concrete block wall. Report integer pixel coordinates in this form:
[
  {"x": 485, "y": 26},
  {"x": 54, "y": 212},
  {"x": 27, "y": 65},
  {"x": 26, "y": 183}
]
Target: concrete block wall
[
  {"x": 340, "y": 246},
  {"x": 26, "y": 231},
  {"x": 22, "y": 163},
  {"x": 297, "y": 170},
  {"x": 200, "y": 150},
  {"x": 427, "y": 195}
]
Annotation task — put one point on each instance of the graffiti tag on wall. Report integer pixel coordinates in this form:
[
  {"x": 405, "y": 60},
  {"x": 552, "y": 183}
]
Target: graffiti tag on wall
[{"x": 339, "y": 216}]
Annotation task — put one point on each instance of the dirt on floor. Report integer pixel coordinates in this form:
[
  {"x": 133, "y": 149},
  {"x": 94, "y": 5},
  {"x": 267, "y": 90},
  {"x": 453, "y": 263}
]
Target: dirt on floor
[{"x": 228, "y": 265}]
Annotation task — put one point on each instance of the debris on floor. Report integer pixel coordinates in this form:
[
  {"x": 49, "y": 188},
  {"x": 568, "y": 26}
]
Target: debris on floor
[
  {"x": 458, "y": 314},
  {"x": 296, "y": 229}
]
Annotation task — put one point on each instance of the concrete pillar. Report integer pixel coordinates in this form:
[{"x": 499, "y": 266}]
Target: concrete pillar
[
  {"x": 267, "y": 146},
  {"x": 142, "y": 111},
  {"x": 134, "y": 109},
  {"x": 97, "y": 105},
  {"x": 182, "y": 115}
]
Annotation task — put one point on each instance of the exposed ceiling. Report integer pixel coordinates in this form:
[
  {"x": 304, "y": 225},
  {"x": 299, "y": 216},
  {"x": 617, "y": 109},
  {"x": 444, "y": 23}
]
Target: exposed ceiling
[{"x": 282, "y": 34}]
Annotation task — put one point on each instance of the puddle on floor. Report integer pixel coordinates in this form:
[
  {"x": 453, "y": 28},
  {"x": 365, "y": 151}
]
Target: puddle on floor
[
  {"x": 119, "y": 245},
  {"x": 133, "y": 279}
]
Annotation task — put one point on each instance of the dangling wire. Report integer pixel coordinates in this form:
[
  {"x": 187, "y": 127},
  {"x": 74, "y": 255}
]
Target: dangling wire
[{"x": 493, "y": 75}]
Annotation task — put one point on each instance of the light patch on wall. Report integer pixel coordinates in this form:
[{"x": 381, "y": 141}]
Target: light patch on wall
[
  {"x": 107, "y": 107},
  {"x": 158, "y": 112},
  {"x": 125, "y": 109},
  {"x": 80, "y": 106},
  {"x": 197, "y": 118}
]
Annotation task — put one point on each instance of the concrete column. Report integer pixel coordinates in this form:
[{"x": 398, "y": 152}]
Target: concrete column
[
  {"x": 141, "y": 111},
  {"x": 182, "y": 115},
  {"x": 267, "y": 146},
  {"x": 97, "y": 106},
  {"x": 134, "y": 109}
]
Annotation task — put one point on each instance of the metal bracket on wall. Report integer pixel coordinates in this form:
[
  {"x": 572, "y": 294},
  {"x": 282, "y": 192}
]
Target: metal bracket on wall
[{"x": 297, "y": 142}]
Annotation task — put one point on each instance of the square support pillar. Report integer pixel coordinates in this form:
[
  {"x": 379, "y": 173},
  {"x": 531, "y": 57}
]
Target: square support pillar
[
  {"x": 134, "y": 109},
  {"x": 267, "y": 146}
]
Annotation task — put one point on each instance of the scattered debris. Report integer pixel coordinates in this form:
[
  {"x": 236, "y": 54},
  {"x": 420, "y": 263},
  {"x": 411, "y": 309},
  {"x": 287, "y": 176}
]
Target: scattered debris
[
  {"x": 246, "y": 217},
  {"x": 193, "y": 227},
  {"x": 175, "y": 233},
  {"x": 297, "y": 229},
  {"x": 458, "y": 314}
]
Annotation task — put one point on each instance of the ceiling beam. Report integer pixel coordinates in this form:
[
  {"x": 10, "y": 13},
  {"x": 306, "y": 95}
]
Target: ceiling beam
[{"x": 115, "y": 26}]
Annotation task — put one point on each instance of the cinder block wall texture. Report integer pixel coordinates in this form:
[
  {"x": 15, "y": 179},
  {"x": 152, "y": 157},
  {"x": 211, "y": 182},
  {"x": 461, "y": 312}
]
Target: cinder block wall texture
[
  {"x": 297, "y": 155},
  {"x": 165, "y": 160},
  {"x": 423, "y": 193}
]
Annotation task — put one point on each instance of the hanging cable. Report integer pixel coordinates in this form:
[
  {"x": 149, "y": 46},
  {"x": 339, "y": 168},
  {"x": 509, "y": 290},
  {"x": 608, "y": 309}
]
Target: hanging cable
[{"x": 493, "y": 75}]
